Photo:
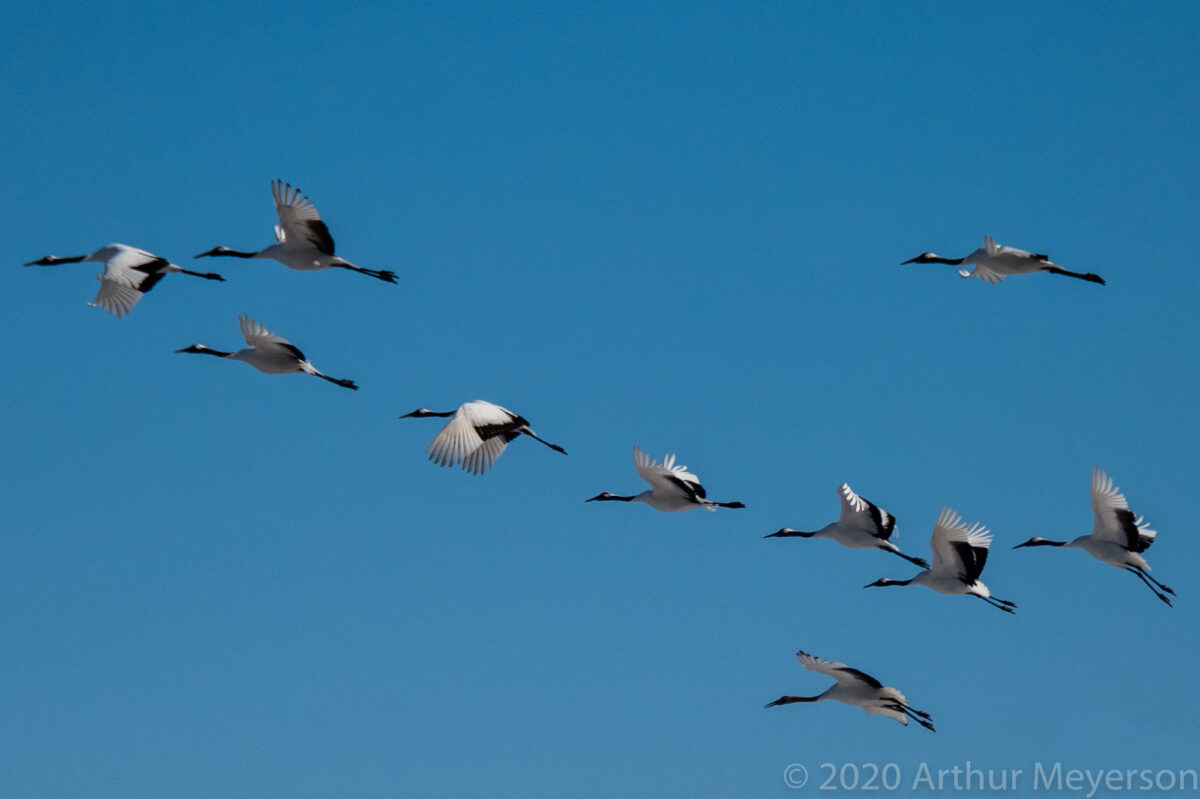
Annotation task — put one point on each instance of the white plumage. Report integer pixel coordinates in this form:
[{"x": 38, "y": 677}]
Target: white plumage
[
  {"x": 853, "y": 687},
  {"x": 993, "y": 262},
  {"x": 672, "y": 488},
  {"x": 302, "y": 239},
  {"x": 477, "y": 435},
  {"x": 128, "y": 274},
  {"x": 1118, "y": 537}
]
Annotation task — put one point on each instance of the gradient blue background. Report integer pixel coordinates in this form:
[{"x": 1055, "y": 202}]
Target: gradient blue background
[{"x": 677, "y": 225}]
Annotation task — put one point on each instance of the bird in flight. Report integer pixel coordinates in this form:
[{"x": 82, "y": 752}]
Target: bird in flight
[{"x": 302, "y": 239}]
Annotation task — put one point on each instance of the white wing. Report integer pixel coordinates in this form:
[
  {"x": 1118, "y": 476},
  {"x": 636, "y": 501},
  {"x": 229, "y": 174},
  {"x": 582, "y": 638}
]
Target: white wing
[
  {"x": 256, "y": 335},
  {"x": 995, "y": 250},
  {"x": 857, "y": 512},
  {"x": 980, "y": 259},
  {"x": 950, "y": 534},
  {"x": 485, "y": 455},
  {"x": 115, "y": 297},
  {"x": 456, "y": 442},
  {"x": 846, "y": 676},
  {"x": 1106, "y": 500},
  {"x": 984, "y": 273},
  {"x": 460, "y": 440},
  {"x": 302, "y": 225},
  {"x": 482, "y": 413},
  {"x": 667, "y": 479},
  {"x": 1114, "y": 521}
]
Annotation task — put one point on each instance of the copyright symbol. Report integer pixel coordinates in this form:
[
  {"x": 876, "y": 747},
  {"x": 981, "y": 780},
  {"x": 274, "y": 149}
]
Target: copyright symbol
[{"x": 795, "y": 776}]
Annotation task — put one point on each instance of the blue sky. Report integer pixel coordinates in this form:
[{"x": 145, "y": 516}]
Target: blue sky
[{"x": 676, "y": 225}]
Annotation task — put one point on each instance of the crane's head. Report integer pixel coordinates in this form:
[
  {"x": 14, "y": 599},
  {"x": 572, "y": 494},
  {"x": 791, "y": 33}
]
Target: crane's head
[
  {"x": 923, "y": 258},
  {"x": 886, "y": 581}
]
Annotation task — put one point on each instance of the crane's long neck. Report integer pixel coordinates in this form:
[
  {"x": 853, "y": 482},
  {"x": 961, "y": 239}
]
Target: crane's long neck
[
  {"x": 788, "y": 532},
  {"x": 607, "y": 497},
  {"x": 789, "y": 700},
  {"x": 225, "y": 251},
  {"x": 54, "y": 260},
  {"x": 886, "y": 581},
  {"x": 1043, "y": 542},
  {"x": 421, "y": 413},
  {"x": 200, "y": 349}
]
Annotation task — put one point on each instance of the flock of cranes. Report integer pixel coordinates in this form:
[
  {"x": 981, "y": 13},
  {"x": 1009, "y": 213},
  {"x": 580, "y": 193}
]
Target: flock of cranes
[{"x": 478, "y": 433}]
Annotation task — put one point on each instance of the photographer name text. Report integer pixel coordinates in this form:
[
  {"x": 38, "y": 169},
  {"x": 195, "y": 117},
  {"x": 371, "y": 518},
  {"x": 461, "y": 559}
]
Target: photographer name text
[{"x": 970, "y": 778}]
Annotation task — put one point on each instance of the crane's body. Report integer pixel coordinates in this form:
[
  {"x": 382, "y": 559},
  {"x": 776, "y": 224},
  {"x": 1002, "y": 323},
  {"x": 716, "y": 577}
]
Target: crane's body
[
  {"x": 129, "y": 273},
  {"x": 1118, "y": 538},
  {"x": 993, "y": 262},
  {"x": 861, "y": 525},
  {"x": 268, "y": 353},
  {"x": 302, "y": 239},
  {"x": 477, "y": 435},
  {"x": 672, "y": 487},
  {"x": 959, "y": 554},
  {"x": 853, "y": 687}
]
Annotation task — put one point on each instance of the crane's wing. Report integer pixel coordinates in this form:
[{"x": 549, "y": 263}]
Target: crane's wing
[
  {"x": 130, "y": 266},
  {"x": 260, "y": 338},
  {"x": 491, "y": 421},
  {"x": 957, "y": 548},
  {"x": 979, "y": 258},
  {"x": 860, "y": 513},
  {"x": 484, "y": 456},
  {"x": 844, "y": 675},
  {"x": 456, "y": 441},
  {"x": 1114, "y": 522},
  {"x": 475, "y": 436},
  {"x": 115, "y": 297},
  {"x": 302, "y": 225},
  {"x": 666, "y": 478},
  {"x": 984, "y": 273}
]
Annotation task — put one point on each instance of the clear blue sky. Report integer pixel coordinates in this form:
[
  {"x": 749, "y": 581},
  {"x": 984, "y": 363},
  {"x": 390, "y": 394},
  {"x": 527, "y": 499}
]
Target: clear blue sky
[{"x": 677, "y": 225}]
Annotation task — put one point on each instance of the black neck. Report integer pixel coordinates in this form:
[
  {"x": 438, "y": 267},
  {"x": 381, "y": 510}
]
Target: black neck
[
  {"x": 228, "y": 252},
  {"x": 51, "y": 260},
  {"x": 787, "y": 533},
  {"x": 788, "y": 700},
  {"x": 610, "y": 498},
  {"x": 202, "y": 350}
]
